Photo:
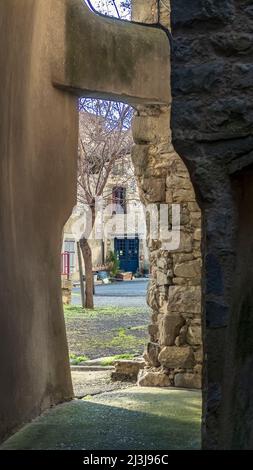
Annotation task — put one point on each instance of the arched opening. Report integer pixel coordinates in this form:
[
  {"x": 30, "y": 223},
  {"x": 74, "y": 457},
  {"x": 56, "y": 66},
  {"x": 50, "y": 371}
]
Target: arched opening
[{"x": 107, "y": 319}]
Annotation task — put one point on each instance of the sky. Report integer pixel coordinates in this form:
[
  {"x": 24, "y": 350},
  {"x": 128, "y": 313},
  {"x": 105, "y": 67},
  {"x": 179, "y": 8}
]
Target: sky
[{"x": 105, "y": 6}]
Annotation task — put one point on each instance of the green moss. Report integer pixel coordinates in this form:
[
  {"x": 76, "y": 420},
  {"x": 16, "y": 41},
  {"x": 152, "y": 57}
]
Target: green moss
[
  {"x": 108, "y": 361},
  {"x": 75, "y": 311},
  {"x": 135, "y": 418},
  {"x": 75, "y": 360},
  {"x": 138, "y": 328},
  {"x": 122, "y": 333},
  {"x": 106, "y": 331},
  {"x": 127, "y": 341}
]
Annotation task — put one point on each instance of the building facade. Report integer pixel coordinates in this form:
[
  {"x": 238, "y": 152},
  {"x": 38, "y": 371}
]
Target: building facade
[{"x": 122, "y": 222}]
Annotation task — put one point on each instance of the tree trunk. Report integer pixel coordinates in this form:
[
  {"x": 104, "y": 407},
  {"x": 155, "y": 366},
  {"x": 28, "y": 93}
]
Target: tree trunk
[
  {"x": 80, "y": 262},
  {"x": 87, "y": 256}
]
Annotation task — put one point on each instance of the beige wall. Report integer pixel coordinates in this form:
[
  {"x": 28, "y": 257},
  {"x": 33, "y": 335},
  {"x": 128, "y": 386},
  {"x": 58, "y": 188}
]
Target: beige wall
[{"x": 38, "y": 138}]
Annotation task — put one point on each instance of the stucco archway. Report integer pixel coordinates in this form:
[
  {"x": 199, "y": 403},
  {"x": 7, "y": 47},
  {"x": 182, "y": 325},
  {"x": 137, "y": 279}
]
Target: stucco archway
[{"x": 56, "y": 42}]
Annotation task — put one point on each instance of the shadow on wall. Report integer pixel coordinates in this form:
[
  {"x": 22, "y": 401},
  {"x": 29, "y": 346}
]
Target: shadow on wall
[{"x": 240, "y": 341}]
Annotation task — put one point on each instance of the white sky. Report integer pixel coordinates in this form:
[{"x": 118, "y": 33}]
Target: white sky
[{"x": 106, "y": 7}]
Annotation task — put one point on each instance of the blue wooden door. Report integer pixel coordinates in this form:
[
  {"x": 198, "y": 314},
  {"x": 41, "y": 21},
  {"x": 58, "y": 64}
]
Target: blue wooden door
[{"x": 127, "y": 250}]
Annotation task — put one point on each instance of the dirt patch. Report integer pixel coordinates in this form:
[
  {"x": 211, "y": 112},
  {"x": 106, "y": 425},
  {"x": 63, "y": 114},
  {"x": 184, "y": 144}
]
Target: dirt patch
[
  {"x": 107, "y": 331},
  {"x": 94, "y": 383}
]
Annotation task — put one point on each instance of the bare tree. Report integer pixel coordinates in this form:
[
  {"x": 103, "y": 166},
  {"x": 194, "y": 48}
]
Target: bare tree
[
  {"x": 105, "y": 138},
  {"x": 118, "y": 8}
]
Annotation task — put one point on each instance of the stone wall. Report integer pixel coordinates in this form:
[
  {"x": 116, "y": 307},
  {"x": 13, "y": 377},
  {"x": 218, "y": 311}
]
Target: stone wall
[
  {"x": 66, "y": 289},
  {"x": 212, "y": 126},
  {"x": 174, "y": 354}
]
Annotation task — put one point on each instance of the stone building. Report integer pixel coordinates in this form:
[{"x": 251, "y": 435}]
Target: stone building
[
  {"x": 120, "y": 200},
  {"x": 129, "y": 245}
]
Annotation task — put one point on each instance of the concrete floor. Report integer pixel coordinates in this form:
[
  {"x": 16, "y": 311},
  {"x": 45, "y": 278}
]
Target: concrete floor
[{"x": 130, "y": 419}]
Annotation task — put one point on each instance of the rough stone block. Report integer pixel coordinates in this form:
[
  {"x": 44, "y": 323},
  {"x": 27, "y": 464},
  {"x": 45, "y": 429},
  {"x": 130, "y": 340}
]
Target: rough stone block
[
  {"x": 144, "y": 11},
  {"x": 169, "y": 328},
  {"x": 193, "y": 207},
  {"x": 182, "y": 258},
  {"x": 169, "y": 196},
  {"x": 180, "y": 281},
  {"x": 248, "y": 9},
  {"x": 188, "y": 269},
  {"x": 152, "y": 296},
  {"x": 185, "y": 243},
  {"x": 198, "y": 369},
  {"x": 195, "y": 79},
  {"x": 197, "y": 234},
  {"x": 188, "y": 380},
  {"x": 181, "y": 339},
  {"x": 216, "y": 123},
  {"x": 242, "y": 76},
  {"x": 178, "y": 181},
  {"x": 66, "y": 284},
  {"x": 183, "y": 195},
  {"x": 198, "y": 354},
  {"x": 194, "y": 334},
  {"x": 66, "y": 296},
  {"x": 140, "y": 156},
  {"x": 154, "y": 189},
  {"x": 186, "y": 48},
  {"x": 153, "y": 332},
  {"x": 209, "y": 12},
  {"x": 153, "y": 379},
  {"x": 173, "y": 357},
  {"x": 151, "y": 354},
  {"x": 150, "y": 129},
  {"x": 126, "y": 370},
  {"x": 162, "y": 263},
  {"x": 232, "y": 44},
  {"x": 162, "y": 279},
  {"x": 185, "y": 299}
]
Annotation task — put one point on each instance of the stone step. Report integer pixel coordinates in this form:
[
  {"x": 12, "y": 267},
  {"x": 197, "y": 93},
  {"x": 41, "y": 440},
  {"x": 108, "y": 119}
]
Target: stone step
[{"x": 91, "y": 368}]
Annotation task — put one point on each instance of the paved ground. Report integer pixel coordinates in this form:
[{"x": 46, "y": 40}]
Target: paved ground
[
  {"x": 93, "y": 383},
  {"x": 135, "y": 418},
  {"x": 122, "y": 294}
]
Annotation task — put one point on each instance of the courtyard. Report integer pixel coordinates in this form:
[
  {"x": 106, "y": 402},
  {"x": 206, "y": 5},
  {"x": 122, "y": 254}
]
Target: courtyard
[
  {"x": 117, "y": 326},
  {"x": 168, "y": 86}
]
